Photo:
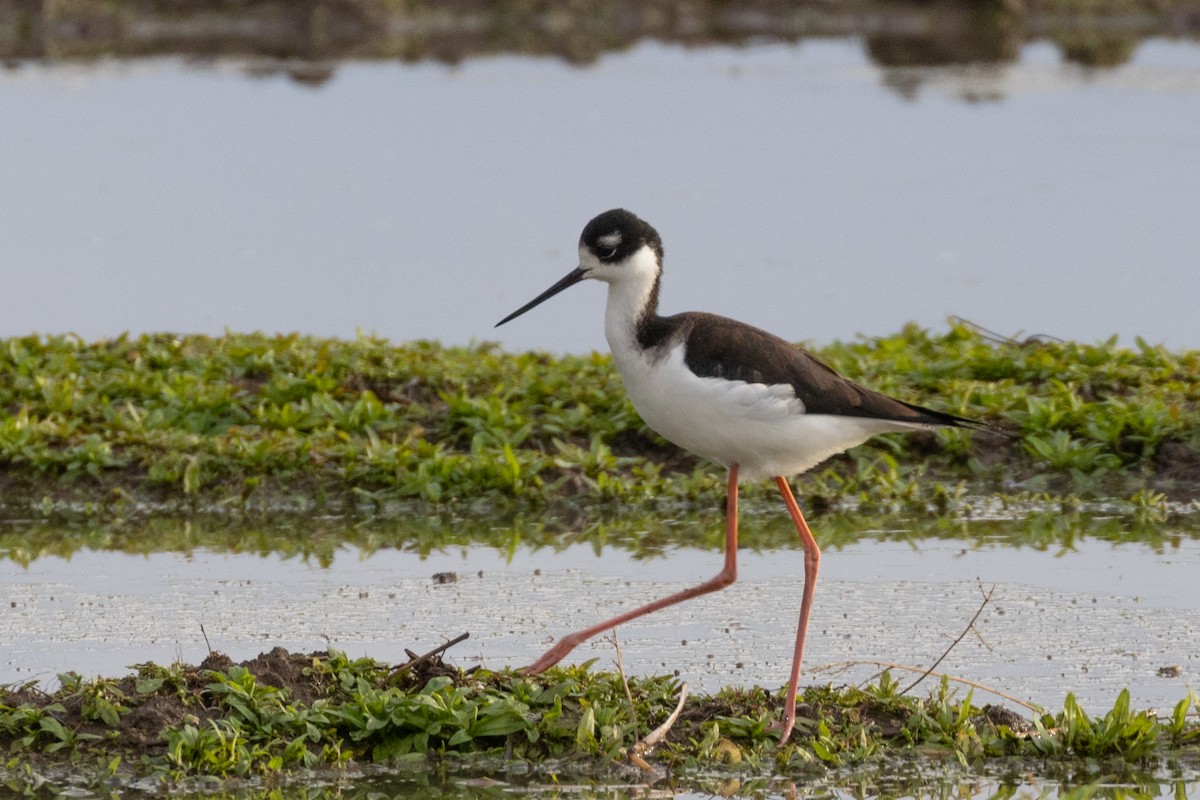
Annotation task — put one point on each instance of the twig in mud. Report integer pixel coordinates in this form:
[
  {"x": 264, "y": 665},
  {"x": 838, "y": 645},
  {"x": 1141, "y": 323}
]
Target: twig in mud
[
  {"x": 655, "y": 736},
  {"x": 986, "y": 599},
  {"x": 965, "y": 681},
  {"x": 624, "y": 682},
  {"x": 205, "y": 635},
  {"x": 414, "y": 661}
]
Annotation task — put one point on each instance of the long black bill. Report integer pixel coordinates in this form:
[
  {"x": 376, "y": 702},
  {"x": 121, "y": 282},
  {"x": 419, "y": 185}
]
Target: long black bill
[{"x": 570, "y": 279}]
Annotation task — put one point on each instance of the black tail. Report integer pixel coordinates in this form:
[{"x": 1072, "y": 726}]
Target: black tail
[{"x": 948, "y": 420}]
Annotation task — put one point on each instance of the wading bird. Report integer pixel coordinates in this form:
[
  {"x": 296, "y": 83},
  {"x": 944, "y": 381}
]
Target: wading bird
[{"x": 728, "y": 392}]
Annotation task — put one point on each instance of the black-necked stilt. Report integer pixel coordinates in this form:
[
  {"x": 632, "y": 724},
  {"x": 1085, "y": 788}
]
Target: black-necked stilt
[{"x": 729, "y": 392}]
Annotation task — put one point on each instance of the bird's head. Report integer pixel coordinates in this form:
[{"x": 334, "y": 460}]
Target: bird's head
[{"x": 615, "y": 247}]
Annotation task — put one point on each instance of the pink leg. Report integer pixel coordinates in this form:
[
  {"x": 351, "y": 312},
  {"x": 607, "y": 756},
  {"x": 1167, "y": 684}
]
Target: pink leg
[
  {"x": 812, "y": 561},
  {"x": 722, "y": 579}
]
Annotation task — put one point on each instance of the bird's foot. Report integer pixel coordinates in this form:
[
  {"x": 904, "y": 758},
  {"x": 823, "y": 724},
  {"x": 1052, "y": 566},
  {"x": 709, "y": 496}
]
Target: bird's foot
[{"x": 783, "y": 727}]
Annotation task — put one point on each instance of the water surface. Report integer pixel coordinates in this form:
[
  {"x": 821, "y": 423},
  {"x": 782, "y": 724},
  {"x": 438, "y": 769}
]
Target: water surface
[
  {"x": 1090, "y": 618},
  {"x": 801, "y": 187}
]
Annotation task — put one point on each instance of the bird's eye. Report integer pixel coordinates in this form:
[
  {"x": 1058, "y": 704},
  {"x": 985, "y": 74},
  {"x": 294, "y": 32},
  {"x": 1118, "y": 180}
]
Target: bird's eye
[{"x": 605, "y": 247}]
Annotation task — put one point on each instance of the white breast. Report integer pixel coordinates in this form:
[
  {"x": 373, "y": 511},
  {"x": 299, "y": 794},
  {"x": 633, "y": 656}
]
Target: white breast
[{"x": 762, "y": 428}]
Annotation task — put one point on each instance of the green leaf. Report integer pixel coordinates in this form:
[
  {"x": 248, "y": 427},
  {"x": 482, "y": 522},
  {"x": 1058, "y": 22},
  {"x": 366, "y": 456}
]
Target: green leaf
[
  {"x": 585, "y": 732},
  {"x": 149, "y": 685}
]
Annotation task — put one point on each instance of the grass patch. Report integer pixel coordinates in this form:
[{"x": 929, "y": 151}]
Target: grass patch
[
  {"x": 253, "y": 421},
  {"x": 282, "y": 712}
]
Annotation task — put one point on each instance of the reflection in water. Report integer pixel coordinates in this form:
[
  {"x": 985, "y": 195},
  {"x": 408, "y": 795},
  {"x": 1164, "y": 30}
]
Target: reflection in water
[
  {"x": 923, "y": 779},
  {"x": 975, "y": 36},
  {"x": 924, "y": 776},
  {"x": 1097, "y": 48},
  {"x": 901, "y": 34},
  {"x": 928, "y": 781},
  {"x": 644, "y": 534}
]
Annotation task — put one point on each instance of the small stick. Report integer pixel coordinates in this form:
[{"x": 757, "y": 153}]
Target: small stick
[
  {"x": 624, "y": 682},
  {"x": 986, "y": 599},
  {"x": 652, "y": 775},
  {"x": 205, "y": 635},
  {"x": 910, "y": 668},
  {"x": 979, "y": 635},
  {"x": 655, "y": 736},
  {"x": 999, "y": 338},
  {"x": 398, "y": 671}
]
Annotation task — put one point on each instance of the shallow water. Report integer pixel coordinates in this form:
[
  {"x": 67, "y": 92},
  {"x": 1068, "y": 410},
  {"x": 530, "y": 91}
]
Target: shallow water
[
  {"x": 920, "y": 782},
  {"x": 800, "y": 187},
  {"x": 1082, "y": 603},
  {"x": 1091, "y": 618}
]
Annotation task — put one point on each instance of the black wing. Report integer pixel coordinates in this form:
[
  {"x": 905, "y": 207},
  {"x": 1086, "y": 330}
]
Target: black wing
[{"x": 718, "y": 347}]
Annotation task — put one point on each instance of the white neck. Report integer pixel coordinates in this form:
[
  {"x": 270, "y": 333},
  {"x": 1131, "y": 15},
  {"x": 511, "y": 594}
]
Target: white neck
[{"x": 629, "y": 293}]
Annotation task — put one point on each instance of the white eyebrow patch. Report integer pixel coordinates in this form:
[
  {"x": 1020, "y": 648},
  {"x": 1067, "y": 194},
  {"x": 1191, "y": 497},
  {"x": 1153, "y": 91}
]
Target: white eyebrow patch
[{"x": 610, "y": 239}]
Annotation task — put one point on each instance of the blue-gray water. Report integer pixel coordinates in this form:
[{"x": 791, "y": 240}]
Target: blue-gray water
[
  {"x": 1092, "y": 619},
  {"x": 795, "y": 187}
]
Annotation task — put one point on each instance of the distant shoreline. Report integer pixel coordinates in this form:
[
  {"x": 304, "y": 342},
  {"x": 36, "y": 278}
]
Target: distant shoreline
[{"x": 307, "y": 40}]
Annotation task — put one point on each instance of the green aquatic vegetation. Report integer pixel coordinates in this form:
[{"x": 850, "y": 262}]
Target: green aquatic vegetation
[
  {"x": 282, "y": 712},
  {"x": 1061, "y": 451},
  {"x": 253, "y": 421},
  {"x": 1121, "y": 731},
  {"x": 38, "y": 727},
  {"x": 100, "y": 700},
  {"x": 259, "y": 731}
]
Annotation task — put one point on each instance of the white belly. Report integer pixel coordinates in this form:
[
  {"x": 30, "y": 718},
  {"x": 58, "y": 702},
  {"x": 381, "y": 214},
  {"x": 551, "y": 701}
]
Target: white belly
[{"x": 763, "y": 429}]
